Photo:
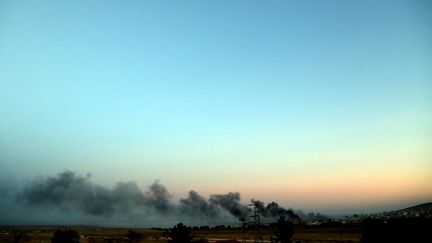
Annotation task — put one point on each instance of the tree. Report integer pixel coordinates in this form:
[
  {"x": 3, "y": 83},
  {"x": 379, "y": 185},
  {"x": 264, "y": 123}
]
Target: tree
[
  {"x": 180, "y": 234},
  {"x": 65, "y": 236},
  {"x": 282, "y": 231}
]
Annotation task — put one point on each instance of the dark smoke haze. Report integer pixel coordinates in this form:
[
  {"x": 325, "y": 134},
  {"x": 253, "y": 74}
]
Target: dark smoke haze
[{"x": 77, "y": 198}]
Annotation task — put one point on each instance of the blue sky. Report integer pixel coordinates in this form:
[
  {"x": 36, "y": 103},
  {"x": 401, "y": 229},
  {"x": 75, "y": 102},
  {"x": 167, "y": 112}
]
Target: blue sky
[{"x": 221, "y": 95}]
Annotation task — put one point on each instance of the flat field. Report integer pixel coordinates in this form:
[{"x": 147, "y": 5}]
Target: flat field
[{"x": 302, "y": 234}]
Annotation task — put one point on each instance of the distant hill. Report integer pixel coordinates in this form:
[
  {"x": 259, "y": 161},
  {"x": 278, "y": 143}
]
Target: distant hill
[
  {"x": 420, "y": 207},
  {"x": 423, "y": 210}
]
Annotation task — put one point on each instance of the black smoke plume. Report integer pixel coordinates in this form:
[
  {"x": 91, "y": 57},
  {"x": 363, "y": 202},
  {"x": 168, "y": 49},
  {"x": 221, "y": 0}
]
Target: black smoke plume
[
  {"x": 67, "y": 189},
  {"x": 231, "y": 202},
  {"x": 70, "y": 192},
  {"x": 274, "y": 211},
  {"x": 196, "y": 205},
  {"x": 158, "y": 197}
]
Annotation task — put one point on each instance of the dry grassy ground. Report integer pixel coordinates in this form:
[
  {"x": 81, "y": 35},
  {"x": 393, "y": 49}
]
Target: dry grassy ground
[{"x": 96, "y": 235}]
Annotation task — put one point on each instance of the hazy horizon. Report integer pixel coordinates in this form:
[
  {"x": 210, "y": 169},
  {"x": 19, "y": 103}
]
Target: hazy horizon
[
  {"x": 323, "y": 106},
  {"x": 76, "y": 199}
]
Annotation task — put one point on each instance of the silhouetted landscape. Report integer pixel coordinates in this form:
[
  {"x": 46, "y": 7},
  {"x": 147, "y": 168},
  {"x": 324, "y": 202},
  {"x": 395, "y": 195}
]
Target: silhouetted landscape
[
  {"x": 406, "y": 225},
  {"x": 218, "y": 218},
  {"x": 215, "y": 121}
]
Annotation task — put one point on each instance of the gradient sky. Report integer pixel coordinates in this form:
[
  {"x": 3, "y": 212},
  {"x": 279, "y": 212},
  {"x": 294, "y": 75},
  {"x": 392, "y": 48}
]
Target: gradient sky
[{"x": 320, "y": 105}]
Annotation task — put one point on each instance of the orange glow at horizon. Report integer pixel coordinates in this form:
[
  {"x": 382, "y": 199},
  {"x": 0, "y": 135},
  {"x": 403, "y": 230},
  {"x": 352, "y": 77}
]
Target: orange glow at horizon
[{"x": 331, "y": 191}]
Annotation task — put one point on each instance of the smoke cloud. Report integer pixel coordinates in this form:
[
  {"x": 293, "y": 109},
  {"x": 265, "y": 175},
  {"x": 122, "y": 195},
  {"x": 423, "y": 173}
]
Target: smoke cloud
[
  {"x": 69, "y": 192},
  {"x": 273, "y": 210},
  {"x": 231, "y": 203},
  {"x": 196, "y": 205}
]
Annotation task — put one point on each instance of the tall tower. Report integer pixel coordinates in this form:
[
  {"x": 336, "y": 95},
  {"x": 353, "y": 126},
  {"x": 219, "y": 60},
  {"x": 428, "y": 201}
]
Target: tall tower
[{"x": 256, "y": 221}]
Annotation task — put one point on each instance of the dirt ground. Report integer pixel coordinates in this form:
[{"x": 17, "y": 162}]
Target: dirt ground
[{"x": 117, "y": 235}]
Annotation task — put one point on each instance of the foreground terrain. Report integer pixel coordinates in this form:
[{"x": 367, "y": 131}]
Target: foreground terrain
[
  {"x": 96, "y": 235},
  {"x": 370, "y": 230}
]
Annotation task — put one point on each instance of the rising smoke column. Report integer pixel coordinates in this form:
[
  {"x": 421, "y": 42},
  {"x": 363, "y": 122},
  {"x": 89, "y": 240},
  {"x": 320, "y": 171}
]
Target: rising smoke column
[
  {"x": 231, "y": 203},
  {"x": 158, "y": 197},
  {"x": 273, "y": 210},
  {"x": 72, "y": 192},
  {"x": 68, "y": 189},
  {"x": 197, "y": 206}
]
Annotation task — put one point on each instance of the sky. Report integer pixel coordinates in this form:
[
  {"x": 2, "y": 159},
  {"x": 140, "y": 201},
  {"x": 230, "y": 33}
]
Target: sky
[{"x": 318, "y": 105}]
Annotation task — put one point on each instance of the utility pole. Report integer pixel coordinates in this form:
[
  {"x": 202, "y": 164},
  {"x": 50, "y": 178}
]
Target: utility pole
[{"x": 256, "y": 217}]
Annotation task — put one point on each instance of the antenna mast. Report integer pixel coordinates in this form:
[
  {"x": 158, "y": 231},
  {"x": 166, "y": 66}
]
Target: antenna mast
[{"x": 256, "y": 217}]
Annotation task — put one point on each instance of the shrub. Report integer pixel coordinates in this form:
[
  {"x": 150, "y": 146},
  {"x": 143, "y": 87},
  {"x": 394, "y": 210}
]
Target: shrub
[
  {"x": 180, "y": 234},
  {"x": 65, "y": 236},
  {"x": 282, "y": 231}
]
